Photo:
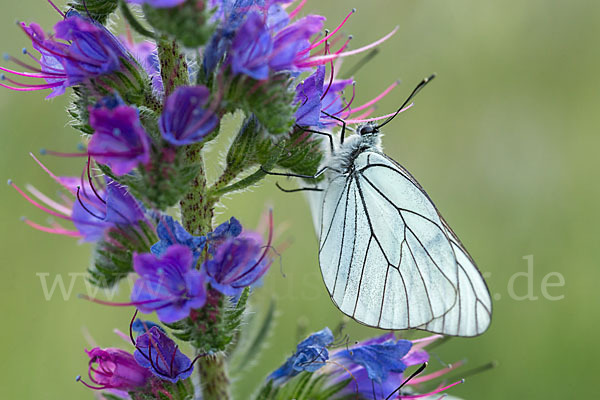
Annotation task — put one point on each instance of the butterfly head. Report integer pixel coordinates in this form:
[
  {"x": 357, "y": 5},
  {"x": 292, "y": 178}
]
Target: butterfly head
[{"x": 368, "y": 130}]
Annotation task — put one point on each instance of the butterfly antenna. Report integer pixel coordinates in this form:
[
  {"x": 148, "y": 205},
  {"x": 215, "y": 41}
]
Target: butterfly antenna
[
  {"x": 417, "y": 372},
  {"x": 416, "y": 90}
]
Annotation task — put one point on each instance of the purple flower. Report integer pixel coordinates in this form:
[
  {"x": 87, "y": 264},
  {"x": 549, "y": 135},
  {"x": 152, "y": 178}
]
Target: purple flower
[
  {"x": 89, "y": 51},
  {"x": 93, "y": 50},
  {"x": 308, "y": 95},
  {"x": 115, "y": 369},
  {"x": 251, "y": 48},
  {"x": 290, "y": 43},
  {"x": 238, "y": 263},
  {"x": 168, "y": 284},
  {"x": 310, "y": 356},
  {"x": 157, "y": 352},
  {"x": 93, "y": 209},
  {"x": 158, "y": 3},
  {"x": 119, "y": 140},
  {"x": 183, "y": 120}
]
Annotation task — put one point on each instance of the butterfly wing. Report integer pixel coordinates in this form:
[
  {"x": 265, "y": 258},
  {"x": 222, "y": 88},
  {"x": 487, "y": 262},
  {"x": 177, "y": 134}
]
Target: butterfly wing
[
  {"x": 384, "y": 253},
  {"x": 472, "y": 315}
]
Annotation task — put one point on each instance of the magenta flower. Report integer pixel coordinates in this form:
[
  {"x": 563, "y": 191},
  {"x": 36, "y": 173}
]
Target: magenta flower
[
  {"x": 183, "y": 120},
  {"x": 168, "y": 284},
  {"x": 157, "y": 352},
  {"x": 115, "y": 369},
  {"x": 119, "y": 140}
]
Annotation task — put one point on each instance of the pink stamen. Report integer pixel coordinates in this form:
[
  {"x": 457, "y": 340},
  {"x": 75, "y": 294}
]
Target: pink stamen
[
  {"x": 56, "y": 231},
  {"x": 56, "y": 178},
  {"x": 330, "y": 75},
  {"x": 42, "y": 197},
  {"x": 120, "y": 304},
  {"x": 351, "y": 100},
  {"x": 297, "y": 9},
  {"x": 378, "y": 98},
  {"x": 421, "y": 343},
  {"x": 41, "y": 74},
  {"x": 367, "y": 113},
  {"x": 31, "y": 89},
  {"x": 35, "y": 203},
  {"x": 436, "y": 374},
  {"x": 438, "y": 390},
  {"x": 57, "y": 9},
  {"x": 320, "y": 42},
  {"x": 313, "y": 61},
  {"x": 27, "y": 85},
  {"x": 78, "y": 379},
  {"x": 360, "y": 121}
]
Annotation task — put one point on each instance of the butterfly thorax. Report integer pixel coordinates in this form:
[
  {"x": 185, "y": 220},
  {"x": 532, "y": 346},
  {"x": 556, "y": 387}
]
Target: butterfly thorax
[{"x": 367, "y": 139}]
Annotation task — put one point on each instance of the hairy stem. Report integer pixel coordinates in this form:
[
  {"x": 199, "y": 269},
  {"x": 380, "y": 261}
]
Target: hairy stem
[{"x": 196, "y": 212}]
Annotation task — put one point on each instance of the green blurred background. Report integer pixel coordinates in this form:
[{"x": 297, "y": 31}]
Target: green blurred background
[{"x": 505, "y": 141}]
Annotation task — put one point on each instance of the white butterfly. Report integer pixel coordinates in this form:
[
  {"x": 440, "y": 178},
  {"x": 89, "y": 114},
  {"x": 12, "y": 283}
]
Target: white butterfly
[{"x": 388, "y": 258}]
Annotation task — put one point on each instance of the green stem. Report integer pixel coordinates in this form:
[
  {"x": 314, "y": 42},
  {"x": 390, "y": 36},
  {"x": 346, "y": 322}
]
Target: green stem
[
  {"x": 196, "y": 207},
  {"x": 213, "y": 377}
]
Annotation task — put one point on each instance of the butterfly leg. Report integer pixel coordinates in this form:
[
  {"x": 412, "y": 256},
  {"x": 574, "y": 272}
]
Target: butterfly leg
[
  {"x": 343, "y": 125},
  {"x": 290, "y": 175},
  {"x": 302, "y": 189},
  {"x": 329, "y": 135}
]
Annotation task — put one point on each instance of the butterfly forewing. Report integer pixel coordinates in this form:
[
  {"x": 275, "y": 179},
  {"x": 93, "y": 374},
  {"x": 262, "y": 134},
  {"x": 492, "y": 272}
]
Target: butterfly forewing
[{"x": 385, "y": 256}]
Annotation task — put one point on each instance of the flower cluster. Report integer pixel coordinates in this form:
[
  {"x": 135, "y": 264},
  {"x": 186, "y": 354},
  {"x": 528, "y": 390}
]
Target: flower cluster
[
  {"x": 147, "y": 111},
  {"x": 372, "y": 369}
]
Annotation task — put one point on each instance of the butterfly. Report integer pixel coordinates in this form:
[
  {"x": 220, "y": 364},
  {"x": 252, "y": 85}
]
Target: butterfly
[{"x": 388, "y": 258}]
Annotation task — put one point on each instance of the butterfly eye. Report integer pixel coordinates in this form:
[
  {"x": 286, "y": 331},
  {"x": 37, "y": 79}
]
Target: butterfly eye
[{"x": 365, "y": 130}]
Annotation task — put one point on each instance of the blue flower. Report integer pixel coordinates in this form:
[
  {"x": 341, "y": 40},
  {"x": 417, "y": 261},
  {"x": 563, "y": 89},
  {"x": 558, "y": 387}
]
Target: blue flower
[
  {"x": 157, "y": 352},
  {"x": 376, "y": 366},
  {"x": 171, "y": 232},
  {"x": 311, "y": 354},
  {"x": 169, "y": 284},
  {"x": 119, "y": 140},
  {"x": 141, "y": 327},
  {"x": 237, "y": 263},
  {"x": 183, "y": 120},
  {"x": 378, "y": 359},
  {"x": 226, "y": 230}
]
